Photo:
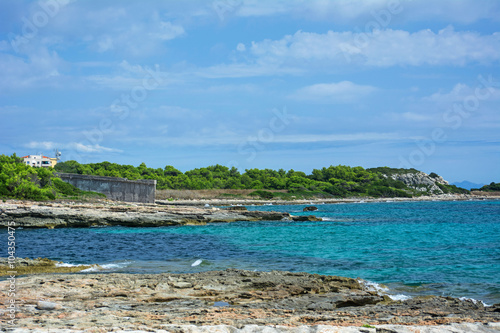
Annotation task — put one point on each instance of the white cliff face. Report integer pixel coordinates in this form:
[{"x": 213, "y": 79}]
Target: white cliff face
[{"x": 421, "y": 181}]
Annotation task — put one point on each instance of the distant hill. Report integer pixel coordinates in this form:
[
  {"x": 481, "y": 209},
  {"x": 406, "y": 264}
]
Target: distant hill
[{"x": 468, "y": 185}]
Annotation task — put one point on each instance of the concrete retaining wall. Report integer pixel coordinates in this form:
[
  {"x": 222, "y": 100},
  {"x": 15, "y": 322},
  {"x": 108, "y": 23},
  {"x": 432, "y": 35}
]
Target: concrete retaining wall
[{"x": 121, "y": 189}]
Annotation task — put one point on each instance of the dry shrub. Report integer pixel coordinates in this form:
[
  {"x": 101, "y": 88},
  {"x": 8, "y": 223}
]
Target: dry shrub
[
  {"x": 486, "y": 194},
  {"x": 204, "y": 194}
]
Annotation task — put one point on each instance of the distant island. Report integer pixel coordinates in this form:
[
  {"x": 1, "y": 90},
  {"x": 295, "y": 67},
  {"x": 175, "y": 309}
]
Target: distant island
[{"x": 20, "y": 181}]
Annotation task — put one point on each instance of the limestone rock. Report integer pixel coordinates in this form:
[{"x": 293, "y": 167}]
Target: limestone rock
[
  {"x": 258, "y": 302},
  {"x": 59, "y": 215},
  {"x": 421, "y": 181}
]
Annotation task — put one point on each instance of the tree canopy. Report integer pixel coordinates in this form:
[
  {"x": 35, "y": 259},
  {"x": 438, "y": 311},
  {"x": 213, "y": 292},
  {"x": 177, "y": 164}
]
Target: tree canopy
[{"x": 339, "y": 181}]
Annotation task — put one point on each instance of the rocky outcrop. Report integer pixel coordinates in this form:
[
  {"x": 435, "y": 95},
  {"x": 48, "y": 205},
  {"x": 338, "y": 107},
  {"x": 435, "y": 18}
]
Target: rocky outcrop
[
  {"x": 22, "y": 266},
  {"x": 421, "y": 181},
  {"x": 59, "y": 215},
  {"x": 237, "y": 298}
]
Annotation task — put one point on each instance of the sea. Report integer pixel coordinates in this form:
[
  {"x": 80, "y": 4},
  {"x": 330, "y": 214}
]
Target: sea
[{"x": 402, "y": 249}]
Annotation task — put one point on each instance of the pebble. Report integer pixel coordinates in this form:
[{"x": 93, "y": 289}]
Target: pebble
[
  {"x": 44, "y": 305},
  {"x": 182, "y": 285}
]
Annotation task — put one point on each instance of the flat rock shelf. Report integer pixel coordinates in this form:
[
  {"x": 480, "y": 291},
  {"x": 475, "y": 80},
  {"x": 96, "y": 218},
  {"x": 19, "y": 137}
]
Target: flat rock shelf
[
  {"x": 241, "y": 301},
  {"x": 60, "y": 215}
]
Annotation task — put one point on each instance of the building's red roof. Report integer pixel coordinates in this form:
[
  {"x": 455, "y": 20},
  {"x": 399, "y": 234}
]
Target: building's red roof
[{"x": 29, "y": 156}]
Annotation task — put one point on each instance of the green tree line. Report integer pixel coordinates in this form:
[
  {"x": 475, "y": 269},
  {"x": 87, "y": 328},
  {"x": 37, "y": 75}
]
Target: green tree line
[
  {"x": 21, "y": 181},
  {"x": 338, "y": 181},
  {"x": 493, "y": 187}
]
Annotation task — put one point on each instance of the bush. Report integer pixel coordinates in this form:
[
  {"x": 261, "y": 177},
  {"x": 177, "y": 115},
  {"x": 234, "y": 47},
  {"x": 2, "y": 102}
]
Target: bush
[{"x": 65, "y": 188}]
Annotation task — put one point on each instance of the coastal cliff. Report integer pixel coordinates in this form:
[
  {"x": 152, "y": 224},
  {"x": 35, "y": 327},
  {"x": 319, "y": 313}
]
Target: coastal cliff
[
  {"x": 422, "y": 182},
  {"x": 59, "y": 215}
]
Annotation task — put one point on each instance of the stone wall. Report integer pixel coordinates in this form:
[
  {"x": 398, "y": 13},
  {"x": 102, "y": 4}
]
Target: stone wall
[{"x": 121, "y": 189}]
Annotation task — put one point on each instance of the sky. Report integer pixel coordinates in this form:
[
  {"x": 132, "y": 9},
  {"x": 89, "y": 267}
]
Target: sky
[{"x": 292, "y": 84}]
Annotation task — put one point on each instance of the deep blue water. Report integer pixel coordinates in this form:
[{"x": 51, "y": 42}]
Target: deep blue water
[{"x": 441, "y": 248}]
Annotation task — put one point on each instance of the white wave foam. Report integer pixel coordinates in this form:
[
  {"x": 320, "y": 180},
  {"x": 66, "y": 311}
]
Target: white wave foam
[
  {"x": 475, "y": 301},
  {"x": 107, "y": 267},
  {"x": 373, "y": 286},
  {"x": 63, "y": 264},
  {"x": 399, "y": 297},
  {"x": 383, "y": 290}
]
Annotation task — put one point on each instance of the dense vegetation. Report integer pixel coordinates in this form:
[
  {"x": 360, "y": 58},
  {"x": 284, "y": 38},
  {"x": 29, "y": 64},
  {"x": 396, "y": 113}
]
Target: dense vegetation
[
  {"x": 493, "y": 187},
  {"x": 338, "y": 181},
  {"x": 20, "y": 181}
]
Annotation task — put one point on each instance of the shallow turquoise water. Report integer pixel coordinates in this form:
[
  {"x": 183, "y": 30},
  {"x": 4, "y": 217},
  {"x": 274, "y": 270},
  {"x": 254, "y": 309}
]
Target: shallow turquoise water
[{"x": 443, "y": 248}]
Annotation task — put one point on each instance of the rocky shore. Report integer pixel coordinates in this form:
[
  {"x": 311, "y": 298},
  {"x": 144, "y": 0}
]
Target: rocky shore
[
  {"x": 101, "y": 213},
  {"x": 241, "y": 301},
  {"x": 107, "y": 213},
  {"x": 318, "y": 201}
]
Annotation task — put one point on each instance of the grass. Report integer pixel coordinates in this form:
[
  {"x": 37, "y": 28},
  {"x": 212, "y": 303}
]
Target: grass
[{"x": 206, "y": 194}]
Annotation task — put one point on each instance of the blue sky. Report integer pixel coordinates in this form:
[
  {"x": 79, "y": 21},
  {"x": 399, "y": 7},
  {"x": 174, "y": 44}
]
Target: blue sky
[{"x": 267, "y": 84}]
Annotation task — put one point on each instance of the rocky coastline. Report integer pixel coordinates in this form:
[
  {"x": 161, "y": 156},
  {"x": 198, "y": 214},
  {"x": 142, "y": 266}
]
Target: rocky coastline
[
  {"x": 232, "y": 301},
  {"x": 318, "y": 201},
  {"x": 27, "y": 214},
  {"x": 102, "y": 213},
  {"x": 217, "y": 301}
]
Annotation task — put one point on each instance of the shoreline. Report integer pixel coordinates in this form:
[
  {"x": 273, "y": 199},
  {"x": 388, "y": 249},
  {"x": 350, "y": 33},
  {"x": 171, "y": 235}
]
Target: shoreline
[
  {"x": 29, "y": 214},
  {"x": 235, "y": 299},
  {"x": 102, "y": 213},
  {"x": 317, "y": 201}
]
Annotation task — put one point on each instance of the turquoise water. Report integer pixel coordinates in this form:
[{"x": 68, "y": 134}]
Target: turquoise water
[{"x": 415, "y": 248}]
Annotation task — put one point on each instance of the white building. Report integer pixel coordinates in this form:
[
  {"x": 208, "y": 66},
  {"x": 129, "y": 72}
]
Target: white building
[{"x": 39, "y": 161}]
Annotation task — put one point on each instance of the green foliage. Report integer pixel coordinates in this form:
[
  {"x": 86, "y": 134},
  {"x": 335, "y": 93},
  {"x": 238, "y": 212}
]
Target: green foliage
[
  {"x": 20, "y": 181},
  {"x": 391, "y": 171},
  {"x": 452, "y": 189},
  {"x": 493, "y": 187},
  {"x": 333, "y": 181}
]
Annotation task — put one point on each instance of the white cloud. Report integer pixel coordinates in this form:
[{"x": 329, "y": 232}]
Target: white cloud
[
  {"x": 168, "y": 31},
  {"x": 104, "y": 44},
  {"x": 380, "y": 48},
  {"x": 131, "y": 76},
  {"x": 460, "y": 92},
  {"x": 80, "y": 147},
  {"x": 241, "y": 47},
  {"x": 311, "y": 138},
  {"x": 37, "y": 67},
  {"x": 361, "y": 11},
  {"x": 244, "y": 70},
  {"x": 343, "y": 92},
  {"x": 411, "y": 117}
]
